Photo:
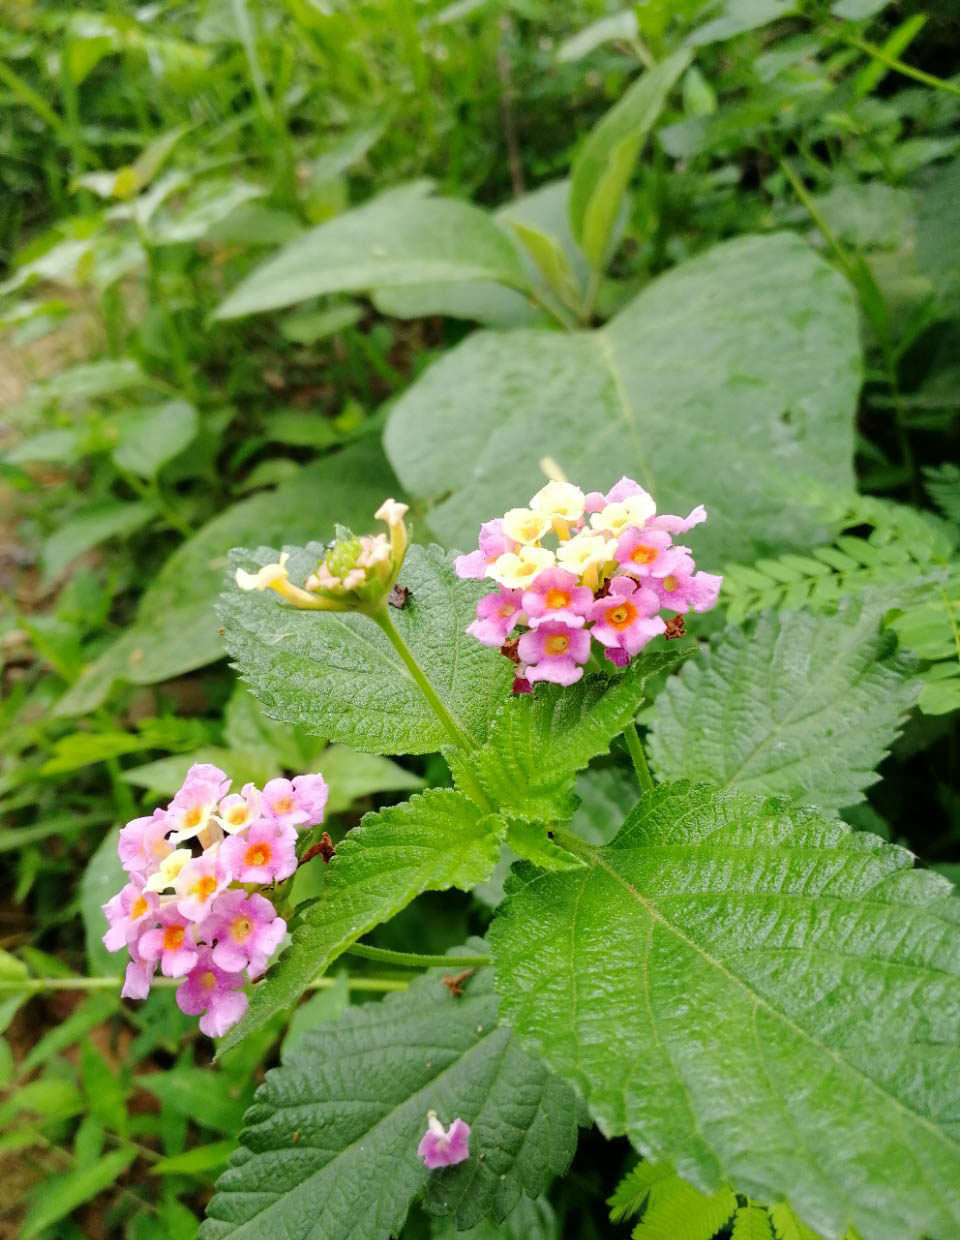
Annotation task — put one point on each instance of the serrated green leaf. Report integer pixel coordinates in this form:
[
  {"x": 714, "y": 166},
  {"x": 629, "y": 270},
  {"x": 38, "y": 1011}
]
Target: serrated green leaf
[
  {"x": 437, "y": 839},
  {"x": 800, "y": 705},
  {"x": 538, "y": 741},
  {"x": 528, "y": 1220},
  {"x": 311, "y": 1165},
  {"x": 604, "y": 164},
  {"x": 787, "y": 1226},
  {"x": 530, "y": 841},
  {"x": 776, "y": 1005},
  {"x": 393, "y": 241},
  {"x": 338, "y": 675},
  {"x": 641, "y": 397}
]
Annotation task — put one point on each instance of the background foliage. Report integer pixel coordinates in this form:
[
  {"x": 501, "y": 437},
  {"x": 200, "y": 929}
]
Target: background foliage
[{"x": 266, "y": 262}]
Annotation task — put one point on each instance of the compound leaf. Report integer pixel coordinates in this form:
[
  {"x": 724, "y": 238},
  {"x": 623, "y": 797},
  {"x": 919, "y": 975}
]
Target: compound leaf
[{"x": 760, "y": 995}]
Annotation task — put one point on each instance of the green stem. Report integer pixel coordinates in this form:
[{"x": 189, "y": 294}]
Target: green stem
[
  {"x": 639, "y": 757},
  {"x": 413, "y": 960},
  {"x": 36, "y": 985},
  {"x": 381, "y": 617},
  {"x": 899, "y": 66}
]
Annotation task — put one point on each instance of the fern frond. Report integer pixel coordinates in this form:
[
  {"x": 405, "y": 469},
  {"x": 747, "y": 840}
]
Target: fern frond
[
  {"x": 752, "y": 1223},
  {"x": 630, "y": 1195},
  {"x": 787, "y": 1226},
  {"x": 678, "y": 1211},
  {"x": 942, "y": 484},
  {"x": 903, "y": 566}
]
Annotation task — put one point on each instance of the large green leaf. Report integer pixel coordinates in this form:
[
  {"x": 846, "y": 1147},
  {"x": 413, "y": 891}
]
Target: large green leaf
[
  {"x": 338, "y": 675},
  {"x": 760, "y": 995},
  {"x": 796, "y": 704},
  {"x": 539, "y": 741},
  {"x": 437, "y": 839},
  {"x": 176, "y": 626},
  {"x": 700, "y": 389},
  {"x": 604, "y": 165},
  {"x": 396, "y": 240},
  {"x": 313, "y": 1164}
]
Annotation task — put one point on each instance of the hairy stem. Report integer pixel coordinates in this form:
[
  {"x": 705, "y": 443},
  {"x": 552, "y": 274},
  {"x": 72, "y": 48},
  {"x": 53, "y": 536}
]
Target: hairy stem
[
  {"x": 639, "y": 757},
  {"x": 413, "y": 960}
]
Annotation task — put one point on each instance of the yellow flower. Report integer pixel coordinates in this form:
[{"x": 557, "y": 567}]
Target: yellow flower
[
  {"x": 524, "y": 525},
  {"x": 559, "y": 499},
  {"x": 516, "y": 571},
  {"x": 170, "y": 868},
  {"x": 269, "y": 575},
  {"x": 631, "y": 511},
  {"x": 583, "y": 551}
]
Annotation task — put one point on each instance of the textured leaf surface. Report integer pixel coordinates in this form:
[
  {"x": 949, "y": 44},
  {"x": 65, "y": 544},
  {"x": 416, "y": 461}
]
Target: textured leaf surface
[
  {"x": 795, "y": 704},
  {"x": 700, "y": 389},
  {"x": 528, "y": 1220},
  {"x": 763, "y": 997},
  {"x": 395, "y": 240},
  {"x": 176, "y": 625},
  {"x": 337, "y": 674},
  {"x": 357, "y": 1094},
  {"x": 436, "y": 840},
  {"x": 538, "y": 741}
]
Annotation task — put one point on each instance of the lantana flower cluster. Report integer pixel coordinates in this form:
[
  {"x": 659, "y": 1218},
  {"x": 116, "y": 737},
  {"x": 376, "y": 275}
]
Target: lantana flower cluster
[
  {"x": 193, "y": 906},
  {"x": 573, "y": 568},
  {"x": 354, "y": 574}
]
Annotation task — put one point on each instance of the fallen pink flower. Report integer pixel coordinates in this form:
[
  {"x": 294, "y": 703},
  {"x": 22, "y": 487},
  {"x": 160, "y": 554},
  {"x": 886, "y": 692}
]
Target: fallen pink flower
[{"x": 444, "y": 1147}]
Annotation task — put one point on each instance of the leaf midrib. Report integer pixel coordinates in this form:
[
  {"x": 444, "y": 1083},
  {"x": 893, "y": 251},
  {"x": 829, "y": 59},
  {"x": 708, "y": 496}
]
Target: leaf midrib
[{"x": 601, "y": 863}]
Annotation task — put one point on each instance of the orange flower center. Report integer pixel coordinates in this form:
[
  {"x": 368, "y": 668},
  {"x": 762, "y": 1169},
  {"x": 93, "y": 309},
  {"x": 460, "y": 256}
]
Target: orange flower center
[
  {"x": 555, "y": 599},
  {"x": 172, "y": 938},
  {"x": 670, "y": 583},
  {"x": 204, "y": 887},
  {"x": 237, "y": 815},
  {"x": 139, "y": 907},
  {"x": 208, "y": 981},
  {"x": 241, "y": 929},
  {"x": 284, "y": 805},
  {"x": 160, "y": 847},
  {"x": 506, "y": 609},
  {"x": 258, "y": 854},
  {"x": 643, "y": 555},
  {"x": 192, "y": 817},
  {"x": 621, "y": 616},
  {"x": 556, "y": 643}
]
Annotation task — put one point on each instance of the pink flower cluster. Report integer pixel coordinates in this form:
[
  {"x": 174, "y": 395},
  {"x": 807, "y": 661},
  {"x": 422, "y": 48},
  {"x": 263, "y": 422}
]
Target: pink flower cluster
[
  {"x": 575, "y": 566},
  {"x": 189, "y": 907}
]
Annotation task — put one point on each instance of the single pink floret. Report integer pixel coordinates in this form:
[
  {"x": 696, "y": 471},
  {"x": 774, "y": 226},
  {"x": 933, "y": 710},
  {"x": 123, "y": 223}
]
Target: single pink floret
[
  {"x": 142, "y": 844},
  {"x": 279, "y": 801},
  {"x": 247, "y": 931},
  {"x": 265, "y": 855},
  {"x": 625, "y": 618},
  {"x": 594, "y": 501},
  {"x": 496, "y": 616},
  {"x": 311, "y": 792},
  {"x": 686, "y": 590},
  {"x": 202, "y": 790},
  {"x": 644, "y": 552},
  {"x": 679, "y": 525},
  {"x": 554, "y": 652},
  {"x": 172, "y": 945},
  {"x": 493, "y": 543},
  {"x": 199, "y": 883},
  {"x": 139, "y": 975},
  {"x": 238, "y": 810},
  {"x": 626, "y": 488},
  {"x": 444, "y": 1147},
  {"x": 555, "y": 596},
  {"x": 214, "y": 992},
  {"x": 127, "y": 912}
]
